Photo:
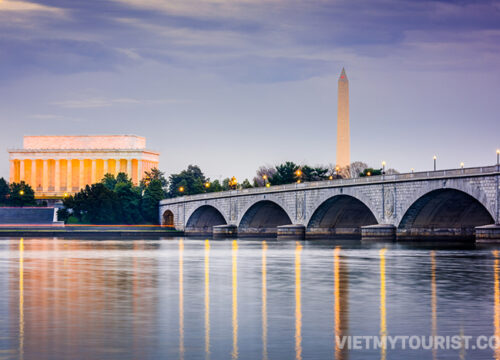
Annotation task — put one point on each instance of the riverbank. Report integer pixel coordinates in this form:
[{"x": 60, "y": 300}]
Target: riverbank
[{"x": 37, "y": 230}]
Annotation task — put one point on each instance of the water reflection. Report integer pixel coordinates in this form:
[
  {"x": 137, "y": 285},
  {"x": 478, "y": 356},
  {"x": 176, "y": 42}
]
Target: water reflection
[
  {"x": 433, "y": 302},
  {"x": 383, "y": 324},
  {"x": 234, "y": 353},
  {"x": 21, "y": 298},
  {"x": 497, "y": 303},
  {"x": 207, "y": 299},
  {"x": 183, "y": 298},
  {"x": 298, "y": 305},
  {"x": 264, "y": 301},
  {"x": 341, "y": 302}
]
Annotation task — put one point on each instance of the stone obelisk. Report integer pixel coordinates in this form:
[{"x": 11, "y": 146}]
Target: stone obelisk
[{"x": 343, "y": 136}]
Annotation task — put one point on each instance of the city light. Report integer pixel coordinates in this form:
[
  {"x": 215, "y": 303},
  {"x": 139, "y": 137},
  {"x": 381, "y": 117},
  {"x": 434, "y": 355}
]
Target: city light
[
  {"x": 434, "y": 158},
  {"x": 462, "y": 165},
  {"x": 264, "y": 177},
  {"x": 268, "y": 185},
  {"x": 21, "y": 192},
  {"x": 298, "y": 172},
  {"x": 181, "y": 189},
  {"x": 207, "y": 185}
]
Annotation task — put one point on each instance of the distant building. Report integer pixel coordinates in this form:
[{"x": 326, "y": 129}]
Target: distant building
[
  {"x": 59, "y": 165},
  {"x": 343, "y": 134}
]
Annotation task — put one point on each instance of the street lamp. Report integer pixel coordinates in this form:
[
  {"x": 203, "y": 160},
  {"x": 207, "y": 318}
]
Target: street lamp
[
  {"x": 462, "y": 164},
  {"x": 383, "y": 167},
  {"x": 181, "y": 189},
  {"x": 498, "y": 156},
  {"x": 435, "y": 158},
  {"x": 330, "y": 177},
  {"x": 412, "y": 170},
  {"x": 266, "y": 183},
  {"x": 21, "y": 192},
  {"x": 207, "y": 185}
]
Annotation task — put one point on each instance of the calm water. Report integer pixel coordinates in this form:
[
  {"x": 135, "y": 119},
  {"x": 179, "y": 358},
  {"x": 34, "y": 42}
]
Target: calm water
[{"x": 245, "y": 299}]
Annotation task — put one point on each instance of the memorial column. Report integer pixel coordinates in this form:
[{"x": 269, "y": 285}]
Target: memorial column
[
  {"x": 81, "y": 177},
  {"x": 34, "y": 180},
  {"x": 129, "y": 168},
  {"x": 94, "y": 172},
  {"x": 12, "y": 171},
  {"x": 57, "y": 175},
  {"x": 139, "y": 171},
  {"x": 69, "y": 175},
  {"x": 22, "y": 170},
  {"x": 45, "y": 175}
]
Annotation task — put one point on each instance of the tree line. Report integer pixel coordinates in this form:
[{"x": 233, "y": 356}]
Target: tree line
[
  {"x": 116, "y": 200},
  {"x": 16, "y": 194},
  {"x": 192, "y": 181}
]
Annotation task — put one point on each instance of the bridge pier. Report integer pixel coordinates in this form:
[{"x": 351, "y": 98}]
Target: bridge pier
[
  {"x": 488, "y": 234},
  {"x": 296, "y": 232},
  {"x": 380, "y": 232},
  {"x": 225, "y": 231}
]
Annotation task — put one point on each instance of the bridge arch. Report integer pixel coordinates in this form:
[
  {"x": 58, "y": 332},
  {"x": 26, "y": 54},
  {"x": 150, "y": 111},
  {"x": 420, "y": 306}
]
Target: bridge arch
[
  {"x": 340, "y": 215},
  {"x": 203, "y": 219},
  {"x": 168, "y": 218},
  {"x": 262, "y": 218},
  {"x": 443, "y": 213}
]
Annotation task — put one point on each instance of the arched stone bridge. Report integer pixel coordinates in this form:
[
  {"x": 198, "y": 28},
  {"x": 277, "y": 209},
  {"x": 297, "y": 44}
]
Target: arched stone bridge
[{"x": 437, "y": 204}]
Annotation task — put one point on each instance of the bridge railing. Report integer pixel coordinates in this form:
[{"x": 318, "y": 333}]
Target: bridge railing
[{"x": 473, "y": 171}]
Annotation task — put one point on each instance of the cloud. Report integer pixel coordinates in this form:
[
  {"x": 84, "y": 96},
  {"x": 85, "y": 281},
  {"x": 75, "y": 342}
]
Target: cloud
[
  {"x": 90, "y": 103},
  {"x": 10, "y": 6}
]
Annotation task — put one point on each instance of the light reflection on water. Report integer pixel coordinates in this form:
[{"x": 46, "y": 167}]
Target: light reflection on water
[{"x": 239, "y": 299}]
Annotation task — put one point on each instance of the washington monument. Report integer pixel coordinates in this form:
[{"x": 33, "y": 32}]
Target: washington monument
[{"x": 343, "y": 137}]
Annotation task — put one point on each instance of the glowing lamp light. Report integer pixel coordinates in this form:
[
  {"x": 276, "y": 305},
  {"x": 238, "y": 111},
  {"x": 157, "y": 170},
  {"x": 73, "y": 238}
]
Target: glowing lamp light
[
  {"x": 298, "y": 181},
  {"x": 65, "y": 194},
  {"x": 330, "y": 177},
  {"x": 181, "y": 189},
  {"x": 298, "y": 173},
  {"x": 268, "y": 185},
  {"x": 434, "y": 157},
  {"x": 264, "y": 177},
  {"x": 207, "y": 185},
  {"x": 368, "y": 173},
  {"x": 21, "y": 192},
  {"x": 462, "y": 165}
]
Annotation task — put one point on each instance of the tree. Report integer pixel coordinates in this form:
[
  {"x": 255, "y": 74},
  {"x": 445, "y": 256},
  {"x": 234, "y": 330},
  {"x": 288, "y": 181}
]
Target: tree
[
  {"x": 266, "y": 171},
  {"x": 357, "y": 167},
  {"x": 153, "y": 193},
  {"x": 21, "y": 194},
  {"x": 370, "y": 172},
  {"x": 129, "y": 203},
  {"x": 192, "y": 181},
  {"x": 215, "y": 186},
  {"x": 317, "y": 173},
  {"x": 95, "y": 204},
  {"x": 109, "y": 181},
  {"x": 4, "y": 191},
  {"x": 154, "y": 174},
  {"x": 246, "y": 184},
  {"x": 285, "y": 174}
]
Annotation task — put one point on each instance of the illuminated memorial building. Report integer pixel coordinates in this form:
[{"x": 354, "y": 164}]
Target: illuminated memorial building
[{"x": 57, "y": 165}]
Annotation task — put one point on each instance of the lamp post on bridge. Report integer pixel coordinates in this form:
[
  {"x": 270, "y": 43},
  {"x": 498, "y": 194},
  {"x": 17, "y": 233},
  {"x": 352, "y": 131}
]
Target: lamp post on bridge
[{"x": 435, "y": 158}]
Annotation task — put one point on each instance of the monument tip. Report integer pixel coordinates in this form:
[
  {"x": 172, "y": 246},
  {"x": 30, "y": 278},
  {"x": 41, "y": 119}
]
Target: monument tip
[{"x": 343, "y": 75}]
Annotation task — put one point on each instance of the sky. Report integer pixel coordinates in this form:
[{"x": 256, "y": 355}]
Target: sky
[{"x": 233, "y": 85}]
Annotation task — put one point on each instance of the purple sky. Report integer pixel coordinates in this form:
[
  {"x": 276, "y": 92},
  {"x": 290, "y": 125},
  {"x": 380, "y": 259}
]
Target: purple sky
[{"x": 232, "y": 85}]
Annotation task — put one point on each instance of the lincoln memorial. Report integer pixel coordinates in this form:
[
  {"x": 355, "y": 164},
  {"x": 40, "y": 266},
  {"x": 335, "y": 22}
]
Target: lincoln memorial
[{"x": 55, "y": 166}]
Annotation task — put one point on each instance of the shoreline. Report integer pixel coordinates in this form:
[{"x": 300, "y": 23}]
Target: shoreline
[{"x": 87, "y": 230}]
